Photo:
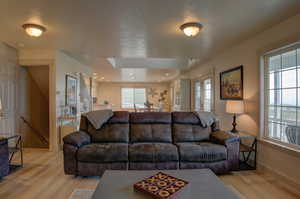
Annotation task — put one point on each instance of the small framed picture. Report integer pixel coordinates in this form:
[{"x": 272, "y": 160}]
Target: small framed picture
[
  {"x": 71, "y": 91},
  {"x": 231, "y": 84}
]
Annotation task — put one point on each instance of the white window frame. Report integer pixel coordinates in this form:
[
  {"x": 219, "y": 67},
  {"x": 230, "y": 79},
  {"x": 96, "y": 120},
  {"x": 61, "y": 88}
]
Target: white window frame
[
  {"x": 133, "y": 96},
  {"x": 194, "y": 95},
  {"x": 264, "y": 96},
  {"x": 202, "y": 92}
]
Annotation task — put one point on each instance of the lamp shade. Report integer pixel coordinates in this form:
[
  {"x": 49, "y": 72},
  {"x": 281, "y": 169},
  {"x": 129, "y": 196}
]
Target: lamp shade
[{"x": 236, "y": 107}]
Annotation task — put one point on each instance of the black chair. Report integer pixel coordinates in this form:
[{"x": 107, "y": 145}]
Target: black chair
[{"x": 293, "y": 134}]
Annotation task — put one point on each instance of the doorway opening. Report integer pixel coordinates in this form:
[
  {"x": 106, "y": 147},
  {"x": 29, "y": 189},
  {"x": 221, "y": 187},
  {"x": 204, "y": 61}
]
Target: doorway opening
[{"x": 34, "y": 106}]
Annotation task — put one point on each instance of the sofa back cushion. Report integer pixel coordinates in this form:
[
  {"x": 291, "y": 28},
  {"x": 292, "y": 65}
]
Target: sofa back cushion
[
  {"x": 115, "y": 130},
  {"x": 187, "y": 128},
  {"x": 150, "y": 127}
]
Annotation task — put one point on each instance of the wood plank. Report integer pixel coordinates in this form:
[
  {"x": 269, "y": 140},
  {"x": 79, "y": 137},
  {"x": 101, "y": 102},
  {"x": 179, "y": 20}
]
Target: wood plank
[{"x": 43, "y": 177}]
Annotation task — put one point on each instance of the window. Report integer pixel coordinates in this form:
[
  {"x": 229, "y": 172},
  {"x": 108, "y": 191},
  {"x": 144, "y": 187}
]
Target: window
[
  {"x": 197, "y": 95},
  {"x": 133, "y": 96},
  {"x": 203, "y": 95},
  {"x": 282, "y": 96},
  {"x": 207, "y": 95}
]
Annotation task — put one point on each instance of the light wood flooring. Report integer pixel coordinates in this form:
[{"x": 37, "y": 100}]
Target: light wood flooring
[{"x": 43, "y": 177}]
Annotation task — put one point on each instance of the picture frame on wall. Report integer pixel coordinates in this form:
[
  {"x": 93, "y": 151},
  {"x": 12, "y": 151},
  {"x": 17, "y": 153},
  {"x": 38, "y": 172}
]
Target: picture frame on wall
[
  {"x": 231, "y": 84},
  {"x": 71, "y": 94}
]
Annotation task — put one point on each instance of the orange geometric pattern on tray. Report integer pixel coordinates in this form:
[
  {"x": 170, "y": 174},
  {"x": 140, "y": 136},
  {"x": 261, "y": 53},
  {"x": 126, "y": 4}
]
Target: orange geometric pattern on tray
[{"x": 161, "y": 186}]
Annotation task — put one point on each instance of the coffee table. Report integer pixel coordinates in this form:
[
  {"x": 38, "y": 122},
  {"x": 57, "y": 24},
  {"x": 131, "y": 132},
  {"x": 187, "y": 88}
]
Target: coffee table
[{"x": 204, "y": 184}]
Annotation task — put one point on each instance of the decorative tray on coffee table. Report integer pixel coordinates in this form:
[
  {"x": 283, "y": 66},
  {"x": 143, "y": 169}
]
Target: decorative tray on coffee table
[{"x": 161, "y": 186}]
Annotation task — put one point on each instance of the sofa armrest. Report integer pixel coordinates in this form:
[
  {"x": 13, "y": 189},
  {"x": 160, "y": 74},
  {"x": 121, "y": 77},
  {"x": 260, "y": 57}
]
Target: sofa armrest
[
  {"x": 77, "y": 139},
  {"x": 232, "y": 143},
  {"x": 224, "y": 138}
]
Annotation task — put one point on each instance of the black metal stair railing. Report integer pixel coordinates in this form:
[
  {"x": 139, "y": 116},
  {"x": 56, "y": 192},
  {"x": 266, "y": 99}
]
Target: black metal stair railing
[{"x": 36, "y": 132}]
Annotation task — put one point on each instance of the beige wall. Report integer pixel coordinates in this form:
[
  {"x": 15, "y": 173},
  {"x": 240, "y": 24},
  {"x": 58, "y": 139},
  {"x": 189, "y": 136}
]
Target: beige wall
[
  {"x": 112, "y": 92},
  {"x": 248, "y": 54}
]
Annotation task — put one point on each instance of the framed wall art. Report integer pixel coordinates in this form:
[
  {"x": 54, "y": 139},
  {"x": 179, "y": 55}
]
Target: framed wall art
[
  {"x": 231, "y": 84},
  {"x": 71, "y": 93}
]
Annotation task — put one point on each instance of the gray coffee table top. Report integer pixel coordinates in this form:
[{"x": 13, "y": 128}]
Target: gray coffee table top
[{"x": 204, "y": 184}]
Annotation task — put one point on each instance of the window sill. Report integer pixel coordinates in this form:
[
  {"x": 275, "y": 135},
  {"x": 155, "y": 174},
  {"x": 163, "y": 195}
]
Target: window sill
[{"x": 291, "y": 150}]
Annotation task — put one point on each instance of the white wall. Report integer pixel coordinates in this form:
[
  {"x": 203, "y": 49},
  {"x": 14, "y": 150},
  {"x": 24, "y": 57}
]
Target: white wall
[
  {"x": 248, "y": 53},
  {"x": 33, "y": 103},
  {"x": 59, "y": 64},
  {"x": 8, "y": 89},
  {"x": 112, "y": 92},
  {"x": 67, "y": 65}
]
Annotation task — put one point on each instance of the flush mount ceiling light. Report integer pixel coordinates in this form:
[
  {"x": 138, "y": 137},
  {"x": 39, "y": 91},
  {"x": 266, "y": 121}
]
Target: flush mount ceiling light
[
  {"x": 191, "y": 29},
  {"x": 34, "y": 30}
]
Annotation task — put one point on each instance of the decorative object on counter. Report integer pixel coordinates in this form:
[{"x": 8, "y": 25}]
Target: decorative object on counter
[
  {"x": 234, "y": 107},
  {"x": 162, "y": 96},
  {"x": 231, "y": 84},
  {"x": 152, "y": 92},
  {"x": 161, "y": 186},
  {"x": 95, "y": 99},
  {"x": 105, "y": 102},
  {"x": 65, "y": 111},
  {"x": 71, "y": 93},
  {"x": 162, "y": 101},
  {"x": 148, "y": 105}
]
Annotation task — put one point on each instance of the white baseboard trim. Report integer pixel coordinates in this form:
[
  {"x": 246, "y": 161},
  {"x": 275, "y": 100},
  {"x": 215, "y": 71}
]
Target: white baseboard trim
[{"x": 295, "y": 186}]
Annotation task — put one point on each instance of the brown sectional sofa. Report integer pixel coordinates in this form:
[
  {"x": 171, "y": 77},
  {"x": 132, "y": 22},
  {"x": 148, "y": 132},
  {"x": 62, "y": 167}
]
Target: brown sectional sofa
[{"x": 149, "y": 141}]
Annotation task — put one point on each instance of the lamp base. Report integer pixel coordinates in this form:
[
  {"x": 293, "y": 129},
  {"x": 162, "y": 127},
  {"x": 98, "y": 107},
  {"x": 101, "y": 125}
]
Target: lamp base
[
  {"x": 234, "y": 125},
  {"x": 234, "y": 131}
]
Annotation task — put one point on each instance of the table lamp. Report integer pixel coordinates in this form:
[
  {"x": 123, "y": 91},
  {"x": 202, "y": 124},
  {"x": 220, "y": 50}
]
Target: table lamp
[{"x": 234, "y": 107}]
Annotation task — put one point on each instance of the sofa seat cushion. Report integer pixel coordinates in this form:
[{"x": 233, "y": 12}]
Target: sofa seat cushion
[
  {"x": 153, "y": 152},
  {"x": 98, "y": 153},
  {"x": 201, "y": 152}
]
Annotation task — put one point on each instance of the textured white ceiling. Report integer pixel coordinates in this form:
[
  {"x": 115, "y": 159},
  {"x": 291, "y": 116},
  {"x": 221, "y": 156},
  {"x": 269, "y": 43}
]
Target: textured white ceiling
[
  {"x": 136, "y": 74},
  {"x": 97, "y": 29}
]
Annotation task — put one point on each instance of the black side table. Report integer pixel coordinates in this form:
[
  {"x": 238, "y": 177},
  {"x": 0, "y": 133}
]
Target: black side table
[
  {"x": 247, "y": 149},
  {"x": 18, "y": 147}
]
